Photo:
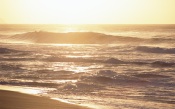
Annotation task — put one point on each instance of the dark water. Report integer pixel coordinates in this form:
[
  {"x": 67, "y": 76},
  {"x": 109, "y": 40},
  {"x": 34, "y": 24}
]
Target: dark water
[{"x": 132, "y": 73}]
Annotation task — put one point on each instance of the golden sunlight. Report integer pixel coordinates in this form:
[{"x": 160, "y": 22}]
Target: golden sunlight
[
  {"x": 87, "y": 11},
  {"x": 59, "y": 11}
]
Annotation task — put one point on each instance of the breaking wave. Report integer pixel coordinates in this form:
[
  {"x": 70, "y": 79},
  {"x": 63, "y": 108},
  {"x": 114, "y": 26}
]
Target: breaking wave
[
  {"x": 109, "y": 61},
  {"x": 72, "y": 38},
  {"x": 6, "y": 51},
  {"x": 156, "y": 50},
  {"x": 28, "y": 56},
  {"x": 42, "y": 37}
]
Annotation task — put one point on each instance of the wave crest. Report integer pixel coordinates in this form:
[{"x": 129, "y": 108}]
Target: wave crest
[
  {"x": 156, "y": 50},
  {"x": 6, "y": 51},
  {"x": 72, "y": 38}
]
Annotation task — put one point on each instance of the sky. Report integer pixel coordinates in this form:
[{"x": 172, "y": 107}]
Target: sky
[{"x": 87, "y": 11}]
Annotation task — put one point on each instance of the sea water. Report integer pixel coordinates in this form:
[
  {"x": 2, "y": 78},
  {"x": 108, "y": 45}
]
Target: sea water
[{"x": 136, "y": 71}]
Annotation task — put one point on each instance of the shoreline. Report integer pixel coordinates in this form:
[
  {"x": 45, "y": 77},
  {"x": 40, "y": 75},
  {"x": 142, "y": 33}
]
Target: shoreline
[
  {"x": 17, "y": 100},
  {"x": 18, "y": 95}
]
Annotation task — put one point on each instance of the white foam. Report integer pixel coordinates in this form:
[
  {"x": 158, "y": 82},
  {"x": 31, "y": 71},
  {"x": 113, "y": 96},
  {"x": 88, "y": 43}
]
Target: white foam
[{"x": 27, "y": 90}]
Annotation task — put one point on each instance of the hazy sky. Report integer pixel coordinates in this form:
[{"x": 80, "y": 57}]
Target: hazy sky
[{"x": 88, "y": 11}]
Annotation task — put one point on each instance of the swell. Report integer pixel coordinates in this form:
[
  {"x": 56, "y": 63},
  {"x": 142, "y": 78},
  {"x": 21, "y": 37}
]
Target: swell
[
  {"x": 148, "y": 49},
  {"x": 83, "y": 38},
  {"x": 113, "y": 61},
  {"x": 6, "y": 50},
  {"x": 72, "y": 38}
]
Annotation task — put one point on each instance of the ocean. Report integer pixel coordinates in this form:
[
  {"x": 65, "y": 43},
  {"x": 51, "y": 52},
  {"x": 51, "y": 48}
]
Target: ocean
[{"x": 100, "y": 66}]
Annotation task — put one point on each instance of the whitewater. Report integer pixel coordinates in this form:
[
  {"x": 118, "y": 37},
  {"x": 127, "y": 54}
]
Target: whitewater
[{"x": 100, "y": 66}]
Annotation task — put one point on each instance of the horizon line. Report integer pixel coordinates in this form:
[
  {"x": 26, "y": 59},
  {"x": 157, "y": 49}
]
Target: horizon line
[{"x": 87, "y": 24}]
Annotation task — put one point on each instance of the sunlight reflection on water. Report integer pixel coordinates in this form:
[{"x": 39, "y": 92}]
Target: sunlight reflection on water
[{"x": 27, "y": 90}]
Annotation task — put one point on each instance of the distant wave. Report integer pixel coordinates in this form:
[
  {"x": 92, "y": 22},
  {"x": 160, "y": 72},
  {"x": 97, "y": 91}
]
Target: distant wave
[
  {"x": 154, "y": 63},
  {"x": 10, "y": 67},
  {"x": 114, "y": 61},
  {"x": 65, "y": 59},
  {"x": 112, "y": 78},
  {"x": 43, "y": 37},
  {"x": 163, "y": 39},
  {"x": 6, "y": 50},
  {"x": 150, "y": 75},
  {"x": 73, "y": 38},
  {"x": 109, "y": 61},
  {"x": 162, "y": 64},
  {"x": 156, "y": 50}
]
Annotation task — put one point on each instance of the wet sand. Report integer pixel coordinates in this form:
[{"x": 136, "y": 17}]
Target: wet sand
[{"x": 16, "y": 100}]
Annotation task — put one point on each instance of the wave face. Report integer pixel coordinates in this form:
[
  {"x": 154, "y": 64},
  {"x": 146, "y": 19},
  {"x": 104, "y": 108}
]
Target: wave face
[
  {"x": 83, "y": 38},
  {"x": 72, "y": 38},
  {"x": 89, "y": 34},
  {"x": 156, "y": 50},
  {"x": 6, "y": 50}
]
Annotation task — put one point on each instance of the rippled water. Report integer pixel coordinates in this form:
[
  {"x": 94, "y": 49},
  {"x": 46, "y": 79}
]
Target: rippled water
[{"x": 109, "y": 76}]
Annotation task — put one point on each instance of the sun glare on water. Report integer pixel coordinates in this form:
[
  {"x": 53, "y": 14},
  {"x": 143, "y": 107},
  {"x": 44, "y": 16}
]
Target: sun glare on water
[{"x": 21, "y": 89}]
